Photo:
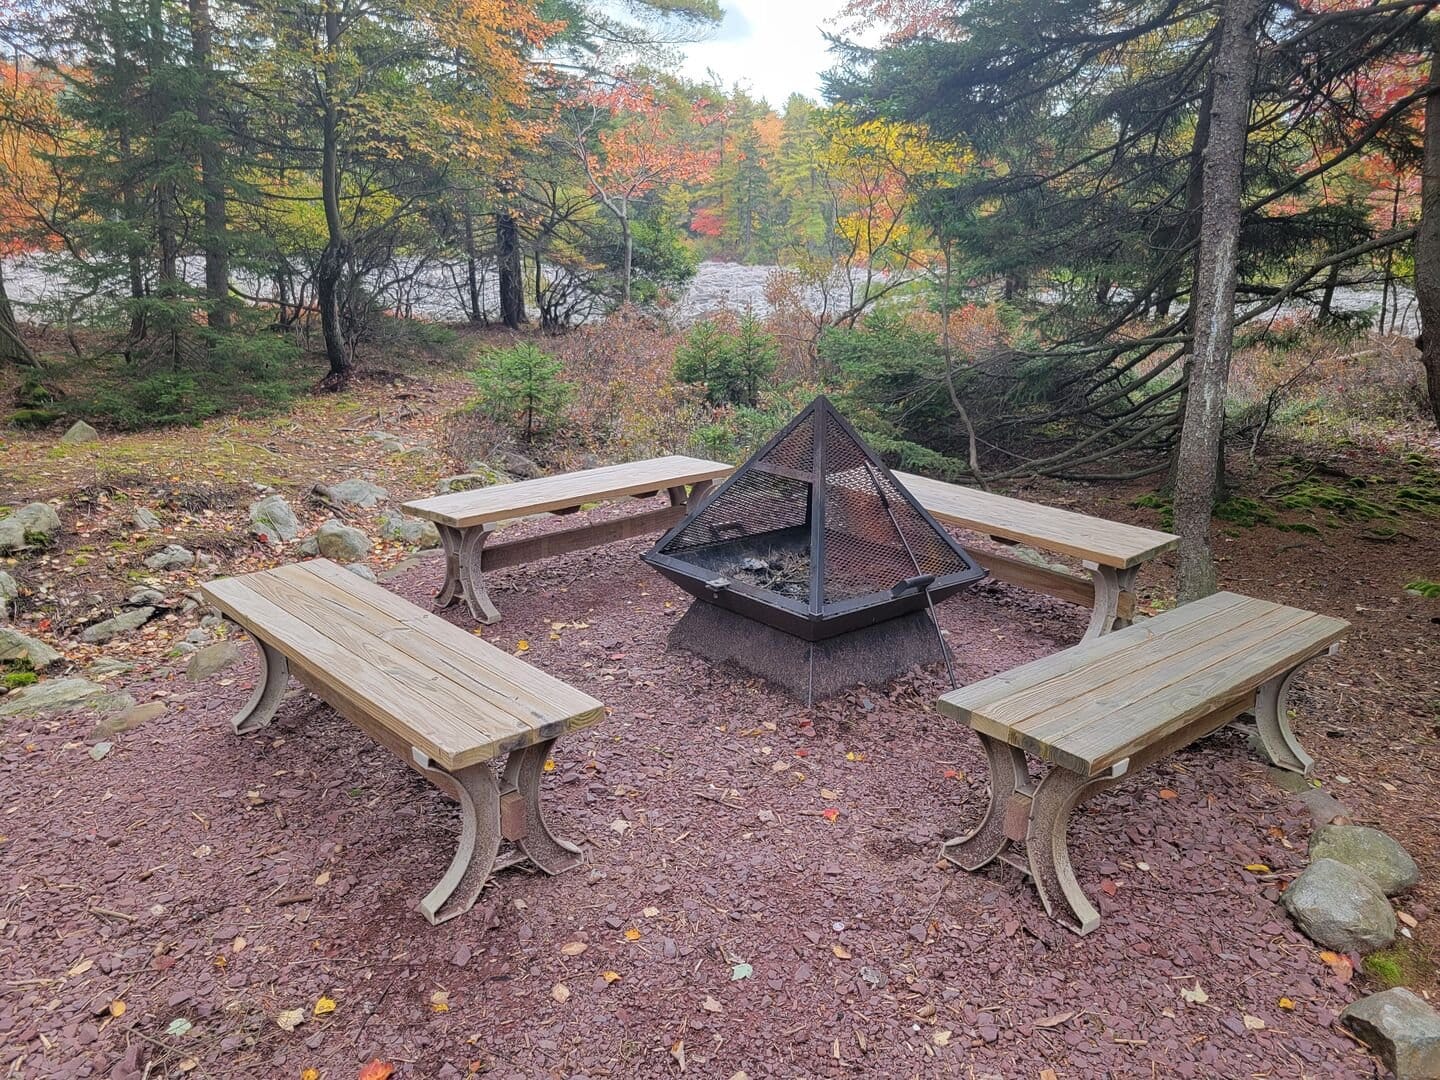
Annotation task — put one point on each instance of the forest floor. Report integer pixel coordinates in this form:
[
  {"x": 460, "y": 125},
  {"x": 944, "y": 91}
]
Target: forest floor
[{"x": 166, "y": 907}]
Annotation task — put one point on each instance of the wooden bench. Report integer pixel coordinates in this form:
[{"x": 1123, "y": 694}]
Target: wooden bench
[
  {"x": 444, "y": 701},
  {"x": 1112, "y": 551},
  {"x": 467, "y": 518},
  {"x": 1102, "y": 709}
]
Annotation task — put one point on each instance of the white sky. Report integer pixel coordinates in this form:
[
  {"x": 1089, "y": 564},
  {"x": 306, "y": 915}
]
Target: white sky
[{"x": 772, "y": 47}]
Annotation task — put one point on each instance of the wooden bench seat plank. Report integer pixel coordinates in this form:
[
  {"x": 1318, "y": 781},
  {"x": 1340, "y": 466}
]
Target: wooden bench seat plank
[
  {"x": 508, "y": 684},
  {"x": 1130, "y": 727},
  {"x": 479, "y": 704},
  {"x": 961, "y": 703},
  {"x": 371, "y": 674},
  {"x": 1108, "y": 543},
  {"x": 468, "y": 509}
]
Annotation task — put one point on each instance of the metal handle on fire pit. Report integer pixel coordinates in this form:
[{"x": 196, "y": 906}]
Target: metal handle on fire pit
[{"x": 921, "y": 581}]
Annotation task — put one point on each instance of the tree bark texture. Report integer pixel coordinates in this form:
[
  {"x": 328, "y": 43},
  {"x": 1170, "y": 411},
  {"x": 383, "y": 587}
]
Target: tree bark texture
[
  {"x": 1213, "y": 304},
  {"x": 212, "y": 178},
  {"x": 1427, "y": 238},
  {"x": 13, "y": 349},
  {"x": 337, "y": 247},
  {"x": 511, "y": 272}
]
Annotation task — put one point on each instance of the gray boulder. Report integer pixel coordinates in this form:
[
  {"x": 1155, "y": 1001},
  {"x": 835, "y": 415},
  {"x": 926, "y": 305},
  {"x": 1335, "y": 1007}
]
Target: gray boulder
[
  {"x": 360, "y": 570},
  {"x": 1402, "y": 1028},
  {"x": 145, "y": 519},
  {"x": 416, "y": 531},
  {"x": 102, "y": 632},
  {"x": 272, "y": 519},
  {"x": 16, "y": 648},
  {"x": 343, "y": 543},
  {"x": 12, "y": 535},
  {"x": 108, "y": 665},
  {"x": 171, "y": 557},
  {"x": 38, "y": 523},
  {"x": 1340, "y": 908},
  {"x": 56, "y": 695},
  {"x": 309, "y": 546},
  {"x": 212, "y": 660},
  {"x": 1369, "y": 851},
  {"x": 357, "y": 492},
  {"x": 143, "y": 595},
  {"x": 9, "y": 593},
  {"x": 393, "y": 446},
  {"x": 517, "y": 464},
  {"x": 113, "y": 725},
  {"x": 80, "y": 432},
  {"x": 479, "y": 476}
]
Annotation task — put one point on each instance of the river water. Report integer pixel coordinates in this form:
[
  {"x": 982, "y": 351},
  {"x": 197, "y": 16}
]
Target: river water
[{"x": 435, "y": 292}]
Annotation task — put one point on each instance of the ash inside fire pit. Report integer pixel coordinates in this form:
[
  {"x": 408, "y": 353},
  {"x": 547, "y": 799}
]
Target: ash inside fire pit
[{"x": 784, "y": 572}]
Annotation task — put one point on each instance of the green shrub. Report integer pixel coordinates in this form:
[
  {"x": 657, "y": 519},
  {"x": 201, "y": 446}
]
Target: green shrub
[
  {"x": 16, "y": 679},
  {"x": 731, "y": 366},
  {"x": 522, "y": 386},
  {"x": 1425, "y": 587}
]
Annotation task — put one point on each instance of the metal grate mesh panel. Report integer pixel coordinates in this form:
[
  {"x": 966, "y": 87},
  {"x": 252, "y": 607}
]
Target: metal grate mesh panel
[{"x": 756, "y": 504}]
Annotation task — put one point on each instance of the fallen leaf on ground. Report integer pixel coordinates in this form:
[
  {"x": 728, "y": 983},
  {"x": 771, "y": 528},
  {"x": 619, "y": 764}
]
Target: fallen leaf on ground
[
  {"x": 711, "y": 1005},
  {"x": 741, "y": 971},
  {"x": 522, "y": 645},
  {"x": 1195, "y": 995},
  {"x": 560, "y": 992},
  {"x": 1339, "y": 964},
  {"x": 677, "y": 1051},
  {"x": 324, "y": 1006},
  {"x": 238, "y": 945},
  {"x": 941, "y": 1037},
  {"x": 619, "y": 826},
  {"x": 828, "y": 794},
  {"x": 377, "y": 1070},
  {"x": 80, "y": 968},
  {"x": 650, "y": 912},
  {"x": 323, "y": 878},
  {"x": 830, "y": 814},
  {"x": 309, "y": 1074},
  {"x": 573, "y": 948},
  {"x": 440, "y": 1001},
  {"x": 1054, "y": 1020},
  {"x": 1257, "y": 868},
  {"x": 289, "y": 1019},
  {"x": 1408, "y": 919},
  {"x": 549, "y": 764},
  {"x": 1253, "y": 1023},
  {"x": 632, "y": 934},
  {"x": 179, "y": 1026},
  {"x": 610, "y": 976},
  {"x": 1285, "y": 1003},
  {"x": 1168, "y": 793},
  {"x": 840, "y": 951}
]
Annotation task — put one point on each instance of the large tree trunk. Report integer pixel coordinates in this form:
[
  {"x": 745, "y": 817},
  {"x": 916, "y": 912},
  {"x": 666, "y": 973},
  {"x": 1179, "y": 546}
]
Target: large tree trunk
[
  {"x": 13, "y": 349},
  {"x": 476, "y": 314},
  {"x": 510, "y": 269},
  {"x": 212, "y": 177},
  {"x": 1213, "y": 305},
  {"x": 1427, "y": 238},
  {"x": 337, "y": 247}
]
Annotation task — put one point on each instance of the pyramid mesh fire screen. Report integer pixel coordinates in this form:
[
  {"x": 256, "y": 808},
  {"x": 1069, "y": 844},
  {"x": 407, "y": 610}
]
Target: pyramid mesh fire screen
[{"x": 814, "y": 536}]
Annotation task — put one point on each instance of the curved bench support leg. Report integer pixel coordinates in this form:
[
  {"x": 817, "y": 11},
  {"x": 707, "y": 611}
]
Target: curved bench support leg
[
  {"x": 1272, "y": 724},
  {"x": 1110, "y": 585},
  {"x": 1046, "y": 844},
  {"x": 479, "y": 796},
  {"x": 1009, "y": 777},
  {"x": 269, "y": 691},
  {"x": 463, "y": 577},
  {"x": 549, "y": 852}
]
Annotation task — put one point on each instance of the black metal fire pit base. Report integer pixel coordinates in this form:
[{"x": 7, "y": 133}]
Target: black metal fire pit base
[{"x": 873, "y": 655}]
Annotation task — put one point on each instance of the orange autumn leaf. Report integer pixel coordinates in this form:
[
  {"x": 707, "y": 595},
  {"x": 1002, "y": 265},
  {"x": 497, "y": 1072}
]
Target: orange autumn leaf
[
  {"x": 377, "y": 1070},
  {"x": 830, "y": 814},
  {"x": 1167, "y": 793}
]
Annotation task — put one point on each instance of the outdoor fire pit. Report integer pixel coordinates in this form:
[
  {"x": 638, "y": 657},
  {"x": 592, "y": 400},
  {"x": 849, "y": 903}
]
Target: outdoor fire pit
[{"x": 814, "y": 540}]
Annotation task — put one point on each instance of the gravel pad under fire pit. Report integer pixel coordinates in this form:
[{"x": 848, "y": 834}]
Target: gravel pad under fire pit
[{"x": 749, "y": 931}]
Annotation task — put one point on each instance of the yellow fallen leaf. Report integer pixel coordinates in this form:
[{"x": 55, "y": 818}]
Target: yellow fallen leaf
[
  {"x": 1285, "y": 1003},
  {"x": 309, "y": 1074},
  {"x": 323, "y": 878},
  {"x": 632, "y": 934},
  {"x": 324, "y": 1006},
  {"x": 549, "y": 764},
  {"x": 560, "y": 992},
  {"x": 289, "y": 1019},
  {"x": 840, "y": 951},
  {"x": 440, "y": 1001},
  {"x": 611, "y": 976},
  {"x": 852, "y": 756},
  {"x": 117, "y": 1008},
  {"x": 1257, "y": 868},
  {"x": 522, "y": 645}
]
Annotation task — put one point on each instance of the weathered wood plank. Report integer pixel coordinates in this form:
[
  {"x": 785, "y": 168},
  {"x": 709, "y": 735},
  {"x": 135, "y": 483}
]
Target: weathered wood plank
[
  {"x": 562, "y": 541},
  {"x": 466, "y": 509},
  {"x": 962, "y": 702},
  {"x": 1109, "y": 543},
  {"x": 365, "y": 650}
]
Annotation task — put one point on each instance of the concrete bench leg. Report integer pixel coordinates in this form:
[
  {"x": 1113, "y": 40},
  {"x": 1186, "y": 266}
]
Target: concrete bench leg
[
  {"x": 478, "y": 793},
  {"x": 1047, "y": 845},
  {"x": 464, "y": 579},
  {"x": 1272, "y": 724},
  {"x": 268, "y": 693},
  {"x": 1009, "y": 796},
  {"x": 525, "y": 825},
  {"x": 1110, "y": 585}
]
